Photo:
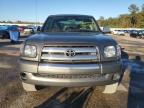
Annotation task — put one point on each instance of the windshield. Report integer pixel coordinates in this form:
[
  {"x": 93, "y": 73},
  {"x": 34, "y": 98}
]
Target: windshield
[{"x": 70, "y": 24}]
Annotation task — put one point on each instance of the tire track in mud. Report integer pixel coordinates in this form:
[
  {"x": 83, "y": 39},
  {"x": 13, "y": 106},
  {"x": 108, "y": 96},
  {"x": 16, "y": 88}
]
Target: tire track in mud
[{"x": 54, "y": 98}]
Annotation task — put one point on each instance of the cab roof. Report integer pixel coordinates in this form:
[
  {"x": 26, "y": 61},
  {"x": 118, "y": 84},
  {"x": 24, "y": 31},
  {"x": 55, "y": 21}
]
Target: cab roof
[{"x": 69, "y": 15}]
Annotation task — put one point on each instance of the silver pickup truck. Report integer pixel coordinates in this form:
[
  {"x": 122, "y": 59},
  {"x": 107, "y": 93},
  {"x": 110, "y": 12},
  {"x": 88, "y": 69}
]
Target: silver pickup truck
[{"x": 70, "y": 51}]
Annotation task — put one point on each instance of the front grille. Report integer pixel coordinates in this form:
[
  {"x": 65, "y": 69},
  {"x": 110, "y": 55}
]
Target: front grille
[
  {"x": 70, "y": 54},
  {"x": 68, "y": 76}
]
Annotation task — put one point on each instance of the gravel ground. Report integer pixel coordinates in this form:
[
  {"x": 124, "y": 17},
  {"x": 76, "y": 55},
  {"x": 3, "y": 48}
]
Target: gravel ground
[{"x": 12, "y": 94}]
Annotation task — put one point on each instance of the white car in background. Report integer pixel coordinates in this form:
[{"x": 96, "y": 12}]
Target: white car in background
[
  {"x": 114, "y": 32},
  {"x": 28, "y": 30},
  {"x": 119, "y": 32},
  {"x": 32, "y": 29}
]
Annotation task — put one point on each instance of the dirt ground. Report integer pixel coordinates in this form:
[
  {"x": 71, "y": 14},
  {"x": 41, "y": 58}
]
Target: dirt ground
[{"x": 129, "y": 94}]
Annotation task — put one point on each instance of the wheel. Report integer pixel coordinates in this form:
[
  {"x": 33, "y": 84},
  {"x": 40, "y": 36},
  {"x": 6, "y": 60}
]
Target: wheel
[
  {"x": 6, "y": 35},
  {"x": 29, "y": 87},
  {"x": 112, "y": 88}
]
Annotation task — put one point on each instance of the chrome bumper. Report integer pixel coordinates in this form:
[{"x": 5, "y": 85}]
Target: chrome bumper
[
  {"x": 103, "y": 80},
  {"x": 105, "y": 73}
]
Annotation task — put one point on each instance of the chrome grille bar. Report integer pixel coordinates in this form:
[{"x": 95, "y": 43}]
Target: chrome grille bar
[
  {"x": 64, "y": 58},
  {"x": 62, "y": 50},
  {"x": 82, "y": 54}
]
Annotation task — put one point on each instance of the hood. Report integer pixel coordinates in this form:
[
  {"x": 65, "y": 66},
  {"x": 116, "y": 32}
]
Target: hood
[{"x": 71, "y": 39}]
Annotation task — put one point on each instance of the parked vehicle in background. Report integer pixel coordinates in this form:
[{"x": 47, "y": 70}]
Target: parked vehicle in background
[
  {"x": 120, "y": 33},
  {"x": 114, "y": 32},
  {"x": 21, "y": 29},
  {"x": 70, "y": 51},
  {"x": 141, "y": 33},
  {"x": 106, "y": 29},
  {"x": 29, "y": 30},
  {"x": 36, "y": 28},
  {"x": 5, "y": 31},
  {"x": 127, "y": 32},
  {"x": 135, "y": 34}
]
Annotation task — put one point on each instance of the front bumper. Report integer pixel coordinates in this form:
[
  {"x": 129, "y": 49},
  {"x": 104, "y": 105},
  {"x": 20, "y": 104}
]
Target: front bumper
[{"x": 82, "y": 74}]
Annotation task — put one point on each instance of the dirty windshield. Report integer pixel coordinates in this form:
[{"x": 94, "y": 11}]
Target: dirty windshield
[{"x": 71, "y": 24}]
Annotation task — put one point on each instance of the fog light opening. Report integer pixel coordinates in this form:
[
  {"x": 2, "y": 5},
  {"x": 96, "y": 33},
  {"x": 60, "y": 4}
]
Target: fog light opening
[{"x": 23, "y": 76}]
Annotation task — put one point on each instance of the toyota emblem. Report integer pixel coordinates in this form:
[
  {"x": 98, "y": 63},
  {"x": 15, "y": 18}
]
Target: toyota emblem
[{"x": 70, "y": 53}]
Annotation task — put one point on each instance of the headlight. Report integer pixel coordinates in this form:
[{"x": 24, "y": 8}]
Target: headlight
[
  {"x": 110, "y": 51},
  {"x": 29, "y": 51}
]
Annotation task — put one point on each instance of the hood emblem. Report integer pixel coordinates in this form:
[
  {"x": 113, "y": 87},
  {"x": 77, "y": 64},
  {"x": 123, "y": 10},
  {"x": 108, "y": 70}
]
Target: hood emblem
[{"x": 70, "y": 53}]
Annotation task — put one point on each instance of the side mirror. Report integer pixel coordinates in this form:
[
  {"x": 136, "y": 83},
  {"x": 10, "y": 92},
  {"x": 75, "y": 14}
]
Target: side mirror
[
  {"x": 106, "y": 30},
  {"x": 38, "y": 29}
]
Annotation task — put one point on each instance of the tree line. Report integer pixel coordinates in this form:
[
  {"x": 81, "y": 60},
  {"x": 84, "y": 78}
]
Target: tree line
[
  {"x": 20, "y": 22},
  {"x": 134, "y": 19}
]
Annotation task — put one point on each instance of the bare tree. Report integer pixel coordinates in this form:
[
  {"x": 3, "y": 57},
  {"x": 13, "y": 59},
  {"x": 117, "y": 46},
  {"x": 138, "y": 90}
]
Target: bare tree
[{"x": 133, "y": 8}]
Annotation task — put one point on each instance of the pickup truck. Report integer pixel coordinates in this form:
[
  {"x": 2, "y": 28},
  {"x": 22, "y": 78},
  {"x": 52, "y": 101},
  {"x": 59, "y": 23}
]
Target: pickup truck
[{"x": 70, "y": 51}]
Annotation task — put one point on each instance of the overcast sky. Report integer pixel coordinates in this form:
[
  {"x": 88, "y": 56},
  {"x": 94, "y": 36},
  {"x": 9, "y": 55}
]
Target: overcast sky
[{"x": 39, "y": 10}]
